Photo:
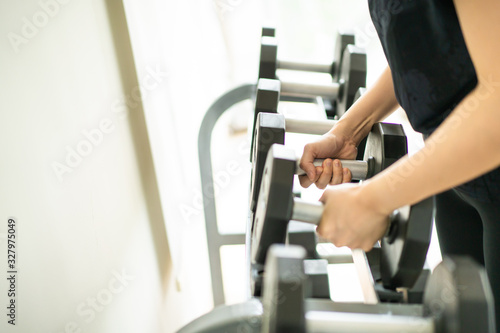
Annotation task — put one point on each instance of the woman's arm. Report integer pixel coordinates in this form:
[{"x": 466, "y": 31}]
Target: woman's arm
[
  {"x": 341, "y": 141},
  {"x": 376, "y": 104},
  {"x": 465, "y": 146}
]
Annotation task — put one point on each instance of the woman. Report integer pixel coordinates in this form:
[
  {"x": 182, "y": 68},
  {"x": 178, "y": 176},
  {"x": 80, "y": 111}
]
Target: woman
[{"x": 444, "y": 71}]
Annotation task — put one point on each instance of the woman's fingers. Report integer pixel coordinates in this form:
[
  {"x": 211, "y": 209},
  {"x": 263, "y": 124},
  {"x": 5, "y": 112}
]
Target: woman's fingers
[
  {"x": 326, "y": 175},
  {"x": 338, "y": 173},
  {"x": 347, "y": 177}
]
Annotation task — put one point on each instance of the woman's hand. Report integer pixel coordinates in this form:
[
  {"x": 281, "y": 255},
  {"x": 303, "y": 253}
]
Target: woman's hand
[
  {"x": 351, "y": 218},
  {"x": 331, "y": 145},
  {"x": 341, "y": 141}
]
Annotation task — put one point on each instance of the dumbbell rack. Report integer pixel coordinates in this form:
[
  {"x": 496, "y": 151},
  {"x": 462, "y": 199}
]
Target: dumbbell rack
[{"x": 215, "y": 240}]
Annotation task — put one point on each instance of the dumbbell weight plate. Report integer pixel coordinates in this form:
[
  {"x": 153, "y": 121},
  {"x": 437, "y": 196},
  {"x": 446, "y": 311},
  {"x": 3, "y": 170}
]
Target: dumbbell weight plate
[
  {"x": 352, "y": 77},
  {"x": 269, "y": 31},
  {"x": 270, "y": 129},
  {"x": 404, "y": 250},
  {"x": 386, "y": 143},
  {"x": 344, "y": 38},
  {"x": 275, "y": 202},
  {"x": 266, "y": 100},
  {"x": 268, "y": 57},
  {"x": 272, "y": 211},
  {"x": 458, "y": 296}
]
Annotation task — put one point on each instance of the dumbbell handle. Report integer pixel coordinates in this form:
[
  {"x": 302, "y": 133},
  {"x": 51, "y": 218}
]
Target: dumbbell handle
[
  {"x": 307, "y": 211},
  {"x": 360, "y": 170},
  {"x": 329, "y": 321},
  {"x": 304, "y": 66},
  {"x": 328, "y": 90},
  {"x": 304, "y": 126}
]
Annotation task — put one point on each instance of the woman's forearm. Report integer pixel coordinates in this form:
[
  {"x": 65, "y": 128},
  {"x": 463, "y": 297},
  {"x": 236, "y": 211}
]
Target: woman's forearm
[
  {"x": 378, "y": 102},
  {"x": 465, "y": 146}
]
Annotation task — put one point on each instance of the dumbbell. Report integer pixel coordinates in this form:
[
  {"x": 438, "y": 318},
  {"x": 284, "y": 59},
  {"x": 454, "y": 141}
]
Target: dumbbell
[
  {"x": 269, "y": 61},
  {"x": 340, "y": 92},
  {"x": 457, "y": 299},
  {"x": 267, "y": 100},
  {"x": 403, "y": 249},
  {"x": 384, "y": 145}
]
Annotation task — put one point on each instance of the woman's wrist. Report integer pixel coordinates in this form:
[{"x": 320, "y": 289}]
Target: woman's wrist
[{"x": 353, "y": 129}]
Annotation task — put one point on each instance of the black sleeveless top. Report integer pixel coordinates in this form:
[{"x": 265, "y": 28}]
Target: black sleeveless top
[{"x": 431, "y": 68}]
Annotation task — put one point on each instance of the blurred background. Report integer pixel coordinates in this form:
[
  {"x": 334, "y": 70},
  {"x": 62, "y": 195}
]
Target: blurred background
[{"x": 101, "y": 103}]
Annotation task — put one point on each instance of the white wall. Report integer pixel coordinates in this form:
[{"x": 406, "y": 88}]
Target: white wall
[
  {"x": 99, "y": 217},
  {"x": 201, "y": 46}
]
